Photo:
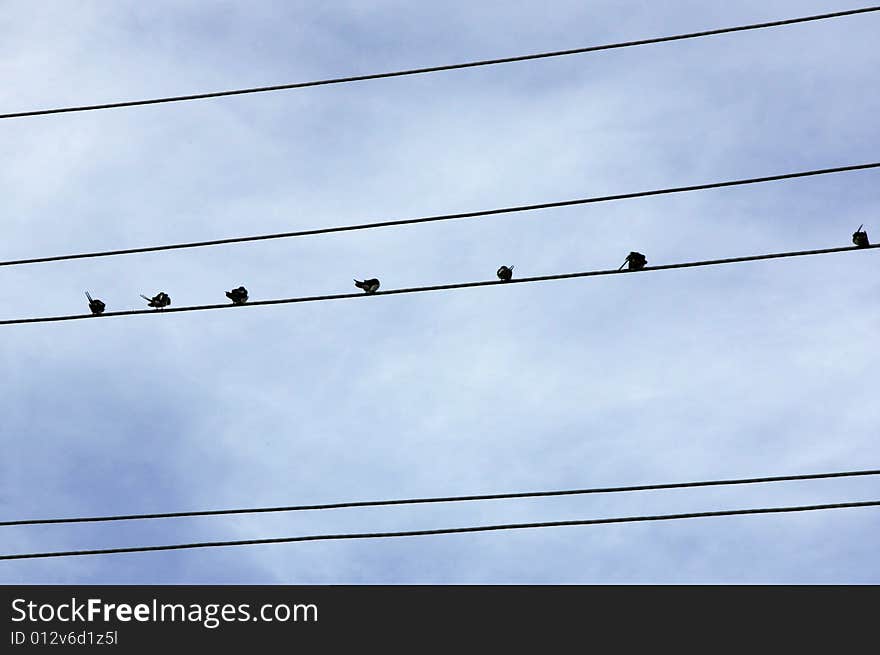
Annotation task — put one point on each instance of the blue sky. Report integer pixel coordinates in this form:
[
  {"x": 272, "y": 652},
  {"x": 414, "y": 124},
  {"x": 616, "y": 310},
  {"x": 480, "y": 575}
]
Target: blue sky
[{"x": 756, "y": 369}]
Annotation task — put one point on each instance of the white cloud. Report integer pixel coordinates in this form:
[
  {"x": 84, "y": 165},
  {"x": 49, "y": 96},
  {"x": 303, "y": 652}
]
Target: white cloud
[{"x": 753, "y": 369}]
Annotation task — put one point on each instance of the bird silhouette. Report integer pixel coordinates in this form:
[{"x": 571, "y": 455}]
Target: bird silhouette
[
  {"x": 860, "y": 237},
  {"x": 238, "y": 296},
  {"x": 369, "y": 286},
  {"x": 95, "y": 305},
  {"x": 505, "y": 273},
  {"x": 159, "y": 301},
  {"x": 635, "y": 260}
]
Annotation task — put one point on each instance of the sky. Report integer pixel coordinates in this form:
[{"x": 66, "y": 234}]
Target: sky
[{"x": 765, "y": 368}]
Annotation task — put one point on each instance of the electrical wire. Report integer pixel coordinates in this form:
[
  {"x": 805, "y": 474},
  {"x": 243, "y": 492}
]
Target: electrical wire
[
  {"x": 448, "y": 67},
  {"x": 440, "y": 287},
  {"x": 448, "y": 499},
  {"x": 446, "y": 217},
  {"x": 439, "y": 531}
]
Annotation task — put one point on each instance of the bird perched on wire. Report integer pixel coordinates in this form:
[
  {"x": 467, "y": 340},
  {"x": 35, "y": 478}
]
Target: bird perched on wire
[
  {"x": 505, "y": 273},
  {"x": 159, "y": 301},
  {"x": 369, "y": 286},
  {"x": 95, "y": 305},
  {"x": 636, "y": 261},
  {"x": 238, "y": 296},
  {"x": 860, "y": 237}
]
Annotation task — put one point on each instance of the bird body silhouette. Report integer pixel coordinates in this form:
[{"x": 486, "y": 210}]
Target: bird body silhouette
[
  {"x": 96, "y": 306},
  {"x": 635, "y": 261},
  {"x": 860, "y": 237},
  {"x": 505, "y": 273},
  {"x": 369, "y": 286},
  {"x": 159, "y": 301},
  {"x": 238, "y": 296}
]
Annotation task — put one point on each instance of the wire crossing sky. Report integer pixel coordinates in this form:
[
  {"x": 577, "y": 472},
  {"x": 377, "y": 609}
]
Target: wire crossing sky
[
  {"x": 448, "y": 499},
  {"x": 447, "y": 67},
  {"x": 442, "y": 287},
  {"x": 439, "y": 531},
  {"x": 448, "y": 217},
  {"x": 425, "y": 409}
]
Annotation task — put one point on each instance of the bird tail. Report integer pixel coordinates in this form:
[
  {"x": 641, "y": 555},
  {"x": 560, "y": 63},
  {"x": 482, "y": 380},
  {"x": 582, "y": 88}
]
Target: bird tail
[
  {"x": 860, "y": 227},
  {"x": 88, "y": 296},
  {"x": 145, "y": 298},
  {"x": 359, "y": 285}
]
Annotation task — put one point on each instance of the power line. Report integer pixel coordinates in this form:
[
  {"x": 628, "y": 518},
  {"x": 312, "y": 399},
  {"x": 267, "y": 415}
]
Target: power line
[
  {"x": 447, "y": 499},
  {"x": 446, "y": 217},
  {"x": 448, "y": 67},
  {"x": 441, "y": 287},
  {"x": 439, "y": 531}
]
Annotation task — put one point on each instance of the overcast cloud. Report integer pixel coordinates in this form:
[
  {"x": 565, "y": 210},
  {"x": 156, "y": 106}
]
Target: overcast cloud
[{"x": 756, "y": 369}]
